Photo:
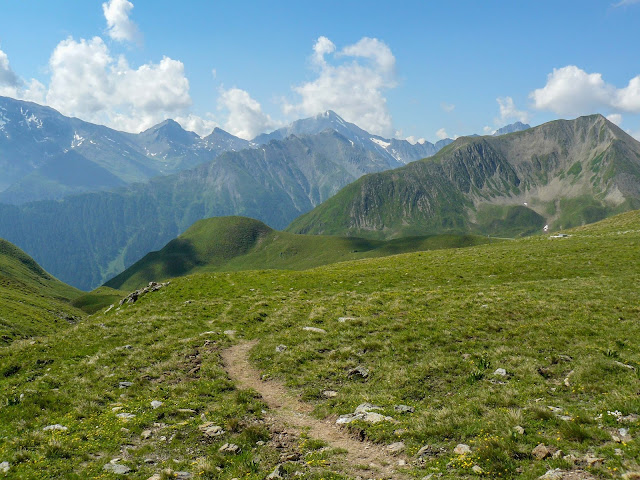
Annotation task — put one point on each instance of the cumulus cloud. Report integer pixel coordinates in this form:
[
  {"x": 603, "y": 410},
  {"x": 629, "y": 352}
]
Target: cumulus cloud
[
  {"x": 413, "y": 140},
  {"x": 7, "y": 77},
  {"x": 119, "y": 25},
  {"x": 615, "y": 118},
  {"x": 87, "y": 82},
  {"x": 245, "y": 116},
  {"x": 487, "y": 130},
  {"x": 442, "y": 134},
  {"x": 11, "y": 85},
  {"x": 352, "y": 82},
  {"x": 509, "y": 112},
  {"x": 572, "y": 91}
]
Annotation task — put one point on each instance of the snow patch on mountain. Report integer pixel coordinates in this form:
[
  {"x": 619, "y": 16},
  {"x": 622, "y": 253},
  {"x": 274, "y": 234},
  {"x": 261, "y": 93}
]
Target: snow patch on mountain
[{"x": 382, "y": 143}]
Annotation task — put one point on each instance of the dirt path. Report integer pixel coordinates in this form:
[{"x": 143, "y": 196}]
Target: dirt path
[{"x": 363, "y": 459}]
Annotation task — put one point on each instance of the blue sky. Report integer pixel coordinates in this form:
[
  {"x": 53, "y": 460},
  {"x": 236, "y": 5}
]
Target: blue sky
[{"x": 417, "y": 69}]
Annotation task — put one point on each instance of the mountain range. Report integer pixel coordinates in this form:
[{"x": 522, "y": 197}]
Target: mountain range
[{"x": 557, "y": 175}]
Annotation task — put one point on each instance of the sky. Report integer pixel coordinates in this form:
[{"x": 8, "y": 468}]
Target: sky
[{"x": 411, "y": 69}]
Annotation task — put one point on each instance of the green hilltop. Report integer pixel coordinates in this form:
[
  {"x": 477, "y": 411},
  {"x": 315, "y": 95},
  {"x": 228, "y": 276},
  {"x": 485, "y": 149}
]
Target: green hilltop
[
  {"x": 239, "y": 243},
  {"x": 562, "y": 174},
  {"x": 502, "y": 347},
  {"x": 33, "y": 302}
]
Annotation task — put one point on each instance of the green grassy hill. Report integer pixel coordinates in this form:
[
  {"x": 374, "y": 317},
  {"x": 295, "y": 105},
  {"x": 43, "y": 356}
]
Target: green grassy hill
[
  {"x": 562, "y": 174},
  {"x": 33, "y": 302},
  {"x": 239, "y": 243},
  {"x": 559, "y": 315}
]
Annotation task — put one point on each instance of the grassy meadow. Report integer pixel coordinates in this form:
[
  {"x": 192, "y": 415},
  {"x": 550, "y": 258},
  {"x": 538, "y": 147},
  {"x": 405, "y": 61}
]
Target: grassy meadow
[{"x": 561, "y": 316}]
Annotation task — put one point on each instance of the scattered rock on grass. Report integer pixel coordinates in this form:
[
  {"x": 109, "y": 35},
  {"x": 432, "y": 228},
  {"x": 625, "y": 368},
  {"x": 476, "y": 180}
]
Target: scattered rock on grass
[
  {"x": 4, "y": 467},
  {"x": 404, "y": 409},
  {"x": 116, "y": 468},
  {"x": 363, "y": 412},
  {"x": 125, "y": 384},
  {"x": 518, "y": 429},
  {"x": 359, "y": 371},
  {"x": 281, "y": 348},
  {"x": 125, "y": 415},
  {"x": 278, "y": 472},
  {"x": 330, "y": 393},
  {"x": 462, "y": 449},
  {"x": 559, "y": 474},
  {"x": 396, "y": 448},
  {"x": 156, "y": 404},
  {"x": 57, "y": 426},
  {"x": 314, "y": 329},
  {"x": 501, "y": 372},
  {"x": 477, "y": 470},
  {"x": 541, "y": 452},
  {"x": 229, "y": 448}
]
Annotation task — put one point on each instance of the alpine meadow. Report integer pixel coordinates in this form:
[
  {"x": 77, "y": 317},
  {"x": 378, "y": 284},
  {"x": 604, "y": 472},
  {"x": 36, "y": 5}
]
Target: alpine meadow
[{"x": 277, "y": 241}]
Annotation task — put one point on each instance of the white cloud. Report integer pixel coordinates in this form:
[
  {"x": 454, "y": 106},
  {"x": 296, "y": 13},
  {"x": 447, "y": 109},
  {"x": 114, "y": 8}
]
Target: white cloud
[
  {"x": 246, "y": 118},
  {"x": 195, "y": 123},
  {"x": 487, "y": 130},
  {"x": 11, "y": 85},
  {"x": 447, "y": 107},
  {"x": 119, "y": 25},
  {"x": 615, "y": 118},
  {"x": 7, "y": 77},
  {"x": 413, "y": 140},
  {"x": 572, "y": 91},
  {"x": 352, "y": 84},
  {"x": 88, "y": 83},
  {"x": 509, "y": 112},
  {"x": 442, "y": 134},
  {"x": 623, "y": 3}
]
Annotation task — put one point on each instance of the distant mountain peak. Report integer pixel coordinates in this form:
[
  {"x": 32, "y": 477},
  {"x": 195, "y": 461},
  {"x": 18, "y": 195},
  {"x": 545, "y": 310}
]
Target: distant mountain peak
[{"x": 512, "y": 128}]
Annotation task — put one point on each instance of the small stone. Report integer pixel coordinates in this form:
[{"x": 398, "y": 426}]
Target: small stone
[
  {"x": 125, "y": 384},
  {"x": 156, "y": 404},
  {"x": 618, "y": 452},
  {"x": 314, "y": 329},
  {"x": 462, "y": 449},
  {"x": 345, "y": 319},
  {"x": 616, "y": 438},
  {"x": 555, "y": 474},
  {"x": 541, "y": 452},
  {"x": 396, "y": 448},
  {"x": 330, "y": 393},
  {"x": 518, "y": 429},
  {"x": 278, "y": 472},
  {"x": 4, "y": 467},
  {"x": 231, "y": 333},
  {"x": 631, "y": 476},
  {"x": 116, "y": 468},
  {"x": 281, "y": 348},
  {"x": 359, "y": 371},
  {"x": 632, "y": 418},
  {"x": 182, "y": 475},
  {"x": 593, "y": 461},
  {"x": 404, "y": 409},
  {"x": 366, "y": 407},
  {"x": 125, "y": 415},
  {"x": 116, "y": 409},
  {"x": 557, "y": 454},
  {"x": 214, "y": 431},
  {"x": 500, "y": 372},
  {"x": 125, "y": 430},
  {"x": 477, "y": 470},
  {"x": 186, "y": 410},
  {"x": 155, "y": 476},
  {"x": 57, "y": 426},
  {"x": 146, "y": 434},
  {"x": 229, "y": 448}
]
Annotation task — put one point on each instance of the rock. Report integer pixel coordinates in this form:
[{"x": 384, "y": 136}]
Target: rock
[
  {"x": 555, "y": 474},
  {"x": 278, "y": 472},
  {"x": 146, "y": 434},
  {"x": 125, "y": 415},
  {"x": 624, "y": 365},
  {"x": 631, "y": 476},
  {"x": 541, "y": 452},
  {"x": 477, "y": 470},
  {"x": 281, "y": 348},
  {"x": 462, "y": 449},
  {"x": 116, "y": 468},
  {"x": 230, "y": 333},
  {"x": 125, "y": 384},
  {"x": 366, "y": 407},
  {"x": 404, "y": 409},
  {"x": 155, "y": 476},
  {"x": 345, "y": 319},
  {"x": 229, "y": 448},
  {"x": 429, "y": 451},
  {"x": 557, "y": 455},
  {"x": 570, "y": 459},
  {"x": 4, "y": 467},
  {"x": 396, "y": 448},
  {"x": 369, "y": 417},
  {"x": 566, "y": 379},
  {"x": 624, "y": 435},
  {"x": 618, "y": 452},
  {"x": 518, "y": 429},
  {"x": 214, "y": 431},
  {"x": 182, "y": 475},
  {"x": 501, "y": 372},
  {"x": 186, "y": 410},
  {"x": 632, "y": 418},
  {"x": 57, "y": 426},
  {"x": 156, "y": 404},
  {"x": 134, "y": 296},
  {"x": 592, "y": 461},
  {"x": 330, "y": 394},
  {"x": 314, "y": 329},
  {"x": 359, "y": 371}
]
